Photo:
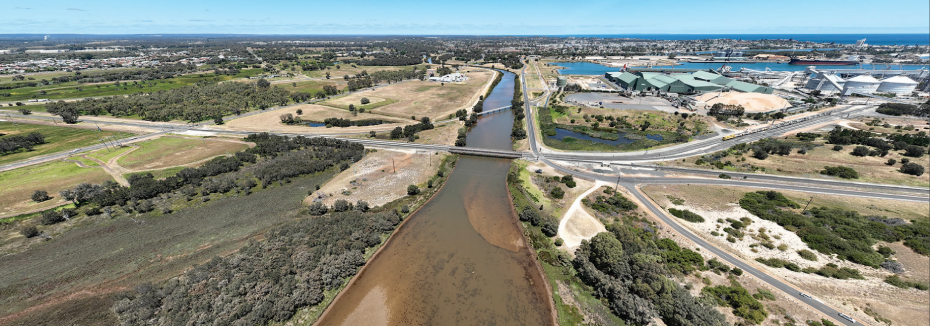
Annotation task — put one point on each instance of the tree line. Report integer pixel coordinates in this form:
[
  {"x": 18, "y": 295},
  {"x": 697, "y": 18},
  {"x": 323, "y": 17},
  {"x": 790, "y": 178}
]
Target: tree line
[
  {"x": 266, "y": 280},
  {"x": 192, "y": 103},
  {"x": 14, "y": 143},
  {"x": 899, "y": 109},
  {"x": 385, "y": 59}
]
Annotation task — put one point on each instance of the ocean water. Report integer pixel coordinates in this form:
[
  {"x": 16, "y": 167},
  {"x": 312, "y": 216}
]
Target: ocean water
[
  {"x": 874, "y": 39},
  {"x": 588, "y": 68}
]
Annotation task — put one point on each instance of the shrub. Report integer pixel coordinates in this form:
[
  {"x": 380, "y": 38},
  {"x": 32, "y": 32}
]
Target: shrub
[
  {"x": 912, "y": 169},
  {"x": 807, "y": 254},
  {"x": 51, "y": 217},
  {"x": 898, "y": 282},
  {"x": 362, "y": 206},
  {"x": 300, "y": 112},
  {"x": 840, "y": 171},
  {"x": 29, "y": 231},
  {"x": 557, "y": 192},
  {"x": 559, "y": 242},
  {"x": 405, "y": 209},
  {"x": 725, "y": 176},
  {"x": 760, "y": 154},
  {"x": 861, "y": 151},
  {"x": 365, "y": 100},
  {"x": 885, "y": 251},
  {"x": 736, "y": 271},
  {"x": 91, "y": 211},
  {"x": 686, "y": 215},
  {"x": 413, "y": 190},
  {"x": 40, "y": 196},
  {"x": 891, "y": 161},
  {"x": 837, "y": 148}
]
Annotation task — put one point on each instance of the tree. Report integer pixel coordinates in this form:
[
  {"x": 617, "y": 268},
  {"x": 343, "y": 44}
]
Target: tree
[
  {"x": 914, "y": 151},
  {"x": 341, "y": 205},
  {"x": 397, "y": 133},
  {"x": 317, "y": 209},
  {"x": 413, "y": 190},
  {"x": 860, "y": 151},
  {"x": 40, "y": 196},
  {"x": 218, "y": 119},
  {"x": 891, "y": 161},
  {"x": 262, "y": 83},
  {"x": 51, "y": 217},
  {"x": 442, "y": 71},
  {"x": 760, "y": 154},
  {"x": 25, "y": 111},
  {"x": 300, "y": 112},
  {"x": 327, "y": 75},
  {"x": 362, "y": 206},
  {"x": 912, "y": 169},
  {"x": 837, "y": 148},
  {"x": 607, "y": 254},
  {"x": 351, "y": 107},
  {"x": 365, "y": 100}
]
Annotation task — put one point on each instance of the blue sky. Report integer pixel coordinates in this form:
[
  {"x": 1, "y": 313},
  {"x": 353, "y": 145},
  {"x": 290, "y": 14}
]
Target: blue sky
[{"x": 479, "y": 17}]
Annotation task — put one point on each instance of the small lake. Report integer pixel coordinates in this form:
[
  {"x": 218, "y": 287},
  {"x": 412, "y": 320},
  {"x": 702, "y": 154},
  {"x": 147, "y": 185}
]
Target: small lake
[
  {"x": 560, "y": 134},
  {"x": 588, "y": 68},
  {"x": 315, "y": 124}
]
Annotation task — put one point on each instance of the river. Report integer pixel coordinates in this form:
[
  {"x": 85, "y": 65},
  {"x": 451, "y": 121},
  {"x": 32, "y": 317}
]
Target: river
[{"x": 461, "y": 258}]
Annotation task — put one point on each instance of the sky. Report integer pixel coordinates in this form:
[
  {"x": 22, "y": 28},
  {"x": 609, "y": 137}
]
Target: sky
[{"x": 478, "y": 17}]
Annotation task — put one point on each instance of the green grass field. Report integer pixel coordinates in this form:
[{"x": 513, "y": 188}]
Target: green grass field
[
  {"x": 57, "y": 139},
  {"x": 76, "y": 90},
  {"x": 105, "y": 154},
  {"x": 19, "y": 184}
]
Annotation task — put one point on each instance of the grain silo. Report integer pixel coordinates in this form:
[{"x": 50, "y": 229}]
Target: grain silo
[
  {"x": 863, "y": 84},
  {"x": 825, "y": 82},
  {"x": 898, "y": 85}
]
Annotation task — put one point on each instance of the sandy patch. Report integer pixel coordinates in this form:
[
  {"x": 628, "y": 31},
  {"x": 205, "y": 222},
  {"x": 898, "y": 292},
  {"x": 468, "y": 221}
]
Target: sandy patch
[
  {"x": 577, "y": 225},
  {"x": 372, "y": 310},
  {"x": 424, "y": 98},
  {"x": 373, "y": 179},
  {"x": 271, "y": 121},
  {"x": 752, "y": 102}
]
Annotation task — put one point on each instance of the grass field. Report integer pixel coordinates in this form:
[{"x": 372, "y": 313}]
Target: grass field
[
  {"x": 76, "y": 90},
  {"x": 57, "y": 139},
  {"x": 344, "y": 69},
  {"x": 311, "y": 86},
  {"x": 105, "y": 154},
  {"x": 419, "y": 98},
  {"x": 171, "y": 151},
  {"x": 19, "y": 184}
]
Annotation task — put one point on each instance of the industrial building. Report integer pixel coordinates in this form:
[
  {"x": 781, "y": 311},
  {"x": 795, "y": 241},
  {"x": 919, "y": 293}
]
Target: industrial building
[
  {"x": 830, "y": 82},
  {"x": 688, "y": 83},
  {"x": 450, "y": 78}
]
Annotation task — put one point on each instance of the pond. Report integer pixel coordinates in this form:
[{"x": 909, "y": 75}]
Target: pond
[{"x": 560, "y": 134}]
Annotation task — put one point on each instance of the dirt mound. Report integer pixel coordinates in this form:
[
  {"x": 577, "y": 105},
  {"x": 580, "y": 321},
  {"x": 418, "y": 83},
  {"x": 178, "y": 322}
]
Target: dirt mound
[{"x": 753, "y": 102}]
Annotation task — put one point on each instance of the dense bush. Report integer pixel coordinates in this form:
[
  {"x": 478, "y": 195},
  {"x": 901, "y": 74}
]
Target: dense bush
[
  {"x": 413, "y": 190},
  {"x": 266, "y": 280},
  {"x": 860, "y": 151},
  {"x": 807, "y": 254},
  {"x": 840, "y": 171},
  {"x": 626, "y": 270},
  {"x": 899, "y": 109},
  {"x": 836, "y": 231},
  {"x": 686, "y": 215},
  {"x": 548, "y": 225},
  {"x": 613, "y": 204},
  {"x": 779, "y": 263},
  {"x": 557, "y": 192},
  {"x": 738, "y": 298},
  {"x": 193, "y": 103},
  {"x": 914, "y": 151}
]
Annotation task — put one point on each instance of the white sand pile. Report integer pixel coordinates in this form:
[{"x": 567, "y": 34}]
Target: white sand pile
[{"x": 752, "y": 102}]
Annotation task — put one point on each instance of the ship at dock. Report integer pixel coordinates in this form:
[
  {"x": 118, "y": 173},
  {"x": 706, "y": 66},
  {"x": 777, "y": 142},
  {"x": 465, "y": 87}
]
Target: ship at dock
[{"x": 823, "y": 61}]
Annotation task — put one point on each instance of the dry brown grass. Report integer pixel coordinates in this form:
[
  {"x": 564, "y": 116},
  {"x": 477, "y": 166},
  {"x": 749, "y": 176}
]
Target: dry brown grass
[
  {"x": 174, "y": 151},
  {"x": 271, "y": 121},
  {"x": 422, "y": 98}
]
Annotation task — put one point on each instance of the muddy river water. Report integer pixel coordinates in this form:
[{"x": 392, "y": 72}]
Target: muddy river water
[{"x": 460, "y": 259}]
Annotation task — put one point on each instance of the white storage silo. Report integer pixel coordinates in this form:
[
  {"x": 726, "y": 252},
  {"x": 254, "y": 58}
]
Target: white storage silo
[
  {"x": 897, "y": 85},
  {"x": 864, "y": 84}
]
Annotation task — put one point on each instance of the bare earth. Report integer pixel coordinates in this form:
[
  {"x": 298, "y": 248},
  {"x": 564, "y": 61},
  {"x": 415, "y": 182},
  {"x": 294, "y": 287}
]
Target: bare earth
[
  {"x": 577, "y": 224},
  {"x": 271, "y": 121},
  {"x": 752, "y": 102},
  {"x": 373, "y": 178}
]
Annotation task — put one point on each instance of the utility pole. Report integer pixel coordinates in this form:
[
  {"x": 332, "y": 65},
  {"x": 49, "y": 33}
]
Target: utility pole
[
  {"x": 393, "y": 166},
  {"x": 808, "y": 204},
  {"x": 617, "y": 186},
  {"x": 14, "y": 122}
]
